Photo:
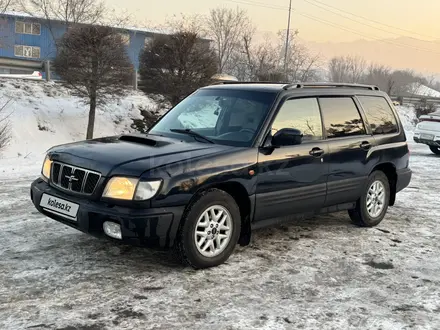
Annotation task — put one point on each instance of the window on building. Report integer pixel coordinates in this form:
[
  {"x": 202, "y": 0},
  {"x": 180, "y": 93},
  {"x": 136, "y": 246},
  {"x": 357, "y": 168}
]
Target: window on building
[
  {"x": 27, "y": 28},
  {"x": 341, "y": 117},
  {"x": 379, "y": 115},
  {"x": 301, "y": 114},
  {"x": 19, "y": 27},
  {"x": 18, "y": 51},
  {"x": 125, "y": 38},
  {"x": 36, "y": 28},
  {"x": 27, "y": 51}
]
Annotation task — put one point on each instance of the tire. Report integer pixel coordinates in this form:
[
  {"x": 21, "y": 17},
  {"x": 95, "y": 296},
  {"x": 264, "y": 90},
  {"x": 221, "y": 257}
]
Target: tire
[
  {"x": 194, "y": 218},
  {"x": 361, "y": 215},
  {"x": 435, "y": 150}
]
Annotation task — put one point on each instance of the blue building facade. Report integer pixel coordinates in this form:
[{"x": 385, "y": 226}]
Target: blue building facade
[{"x": 27, "y": 38}]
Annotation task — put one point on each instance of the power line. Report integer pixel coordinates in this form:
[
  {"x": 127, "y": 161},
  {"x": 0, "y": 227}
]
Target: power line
[
  {"x": 259, "y": 4},
  {"x": 364, "y": 35},
  {"x": 352, "y": 19},
  {"x": 335, "y": 25},
  {"x": 377, "y": 22}
]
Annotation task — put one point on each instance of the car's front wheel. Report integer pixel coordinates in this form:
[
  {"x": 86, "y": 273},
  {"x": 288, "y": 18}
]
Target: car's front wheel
[
  {"x": 435, "y": 150},
  {"x": 210, "y": 230},
  {"x": 373, "y": 204}
]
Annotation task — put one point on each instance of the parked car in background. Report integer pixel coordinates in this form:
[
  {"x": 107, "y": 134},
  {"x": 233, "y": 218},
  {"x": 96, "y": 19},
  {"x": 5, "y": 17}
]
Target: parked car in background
[
  {"x": 228, "y": 159},
  {"x": 428, "y": 131}
]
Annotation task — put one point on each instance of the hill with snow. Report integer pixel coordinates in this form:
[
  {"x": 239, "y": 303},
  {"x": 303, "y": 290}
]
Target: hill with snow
[{"x": 43, "y": 114}]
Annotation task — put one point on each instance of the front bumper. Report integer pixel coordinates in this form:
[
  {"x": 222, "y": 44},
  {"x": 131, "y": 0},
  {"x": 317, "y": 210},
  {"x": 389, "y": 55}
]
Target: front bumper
[{"x": 149, "y": 227}]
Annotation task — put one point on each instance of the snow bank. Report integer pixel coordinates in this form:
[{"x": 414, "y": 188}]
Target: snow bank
[
  {"x": 407, "y": 116},
  {"x": 43, "y": 114}
]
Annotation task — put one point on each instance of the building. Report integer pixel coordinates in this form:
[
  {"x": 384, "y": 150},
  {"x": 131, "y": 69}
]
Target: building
[{"x": 27, "y": 42}]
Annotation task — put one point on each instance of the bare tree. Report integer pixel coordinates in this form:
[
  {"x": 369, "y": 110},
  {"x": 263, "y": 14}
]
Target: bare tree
[
  {"x": 92, "y": 60},
  {"x": 227, "y": 28},
  {"x": 172, "y": 67},
  {"x": 5, "y": 133},
  {"x": 407, "y": 82},
  {"x": 301, "y": 64},
  {"x": 264, "y": 61},
  {"x": 4, "y": 5},
  {"x": 69, "y": 12},
  {"x": 380, "y": 76},
  {"x": 347, "y": 69},
  {"x": 186, "y": 23}
]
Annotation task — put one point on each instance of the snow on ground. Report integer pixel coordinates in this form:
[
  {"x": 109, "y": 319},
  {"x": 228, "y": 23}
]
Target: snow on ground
[
  {"x": 407, "y": 116},
  {"x": 322, "y": 273},
  {"x": 44, "y": 114}
]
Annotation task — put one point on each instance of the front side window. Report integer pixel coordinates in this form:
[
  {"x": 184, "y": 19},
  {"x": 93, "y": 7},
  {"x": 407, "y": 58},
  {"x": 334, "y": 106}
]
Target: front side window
[
  {"x": 379, "y": 114},
  {"x": 300, "y": 114},
  {"x": 231, "y": 117},
  {"x": 341, "y": 117}
]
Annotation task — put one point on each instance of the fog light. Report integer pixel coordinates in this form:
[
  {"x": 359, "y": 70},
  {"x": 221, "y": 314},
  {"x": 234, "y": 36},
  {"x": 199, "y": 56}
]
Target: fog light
[{"x": 112, "y": 229}]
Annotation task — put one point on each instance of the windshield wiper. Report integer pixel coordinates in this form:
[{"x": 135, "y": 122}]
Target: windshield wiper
[{"x": 192, "y": 133}]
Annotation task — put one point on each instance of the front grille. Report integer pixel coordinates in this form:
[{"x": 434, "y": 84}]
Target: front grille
[{"x": 74, "y": 179}]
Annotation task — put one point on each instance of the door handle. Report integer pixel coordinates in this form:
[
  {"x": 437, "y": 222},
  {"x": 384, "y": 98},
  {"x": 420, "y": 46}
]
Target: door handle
[
  {"x": 316, "y": 152},
  {"x": 365, "y": 145}
]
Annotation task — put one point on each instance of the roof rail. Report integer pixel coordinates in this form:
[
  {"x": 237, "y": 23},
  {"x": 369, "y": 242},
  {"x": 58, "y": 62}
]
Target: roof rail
[
  {"x": 226, "y": 82},
  {"x": 330, "y": 85}
]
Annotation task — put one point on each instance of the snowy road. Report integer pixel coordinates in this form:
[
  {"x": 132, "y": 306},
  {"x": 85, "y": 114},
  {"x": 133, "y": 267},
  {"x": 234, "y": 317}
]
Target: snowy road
[{"x": 321, "y": 274}]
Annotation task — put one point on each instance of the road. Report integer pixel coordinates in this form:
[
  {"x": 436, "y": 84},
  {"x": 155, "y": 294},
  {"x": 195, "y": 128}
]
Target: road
[{"x": 321, "y": 273}]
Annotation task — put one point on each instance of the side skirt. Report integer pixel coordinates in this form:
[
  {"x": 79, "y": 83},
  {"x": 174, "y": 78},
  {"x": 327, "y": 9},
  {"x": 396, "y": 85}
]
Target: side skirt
[{"x": 301, "y": 216}]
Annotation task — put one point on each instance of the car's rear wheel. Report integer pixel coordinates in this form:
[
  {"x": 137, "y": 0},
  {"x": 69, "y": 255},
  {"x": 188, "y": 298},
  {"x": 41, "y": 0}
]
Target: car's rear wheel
[
  {"x": 373, "y": 204},
  {"x": 435, "y": 150},
  {"x": 210, "y": 230}
]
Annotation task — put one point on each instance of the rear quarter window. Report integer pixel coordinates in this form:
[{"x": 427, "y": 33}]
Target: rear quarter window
[{"x": 379, "y": 114}]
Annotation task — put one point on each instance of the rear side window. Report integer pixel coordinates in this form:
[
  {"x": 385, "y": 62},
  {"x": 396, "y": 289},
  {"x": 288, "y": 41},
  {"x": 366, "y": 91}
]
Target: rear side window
[
  {"x": 341, "y": 117},
  {"x": 379, "y": 115}
]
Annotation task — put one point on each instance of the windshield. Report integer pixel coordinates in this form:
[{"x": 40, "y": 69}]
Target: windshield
[{"x": 230, "y": 117}]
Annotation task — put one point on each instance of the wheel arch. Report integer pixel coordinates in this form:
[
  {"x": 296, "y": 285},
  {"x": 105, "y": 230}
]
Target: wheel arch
[
  {"x": 389, "y": 169},
  {"x": 245, "y": 205}
]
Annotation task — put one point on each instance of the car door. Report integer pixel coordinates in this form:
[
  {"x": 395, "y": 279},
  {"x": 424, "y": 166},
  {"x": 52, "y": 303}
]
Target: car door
[
  {"x": 349, "y": 144},
  {"x": 292, "y": 178}
]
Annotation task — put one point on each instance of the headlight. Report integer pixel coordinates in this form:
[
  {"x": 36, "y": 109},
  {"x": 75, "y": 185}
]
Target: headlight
[
  {"x": 131, "y": 189},
  {"x": 45, "y": 171}
]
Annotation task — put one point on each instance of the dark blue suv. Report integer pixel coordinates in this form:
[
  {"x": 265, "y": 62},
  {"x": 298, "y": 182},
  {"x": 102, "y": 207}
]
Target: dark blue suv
[{"x": 230, "y": 158}]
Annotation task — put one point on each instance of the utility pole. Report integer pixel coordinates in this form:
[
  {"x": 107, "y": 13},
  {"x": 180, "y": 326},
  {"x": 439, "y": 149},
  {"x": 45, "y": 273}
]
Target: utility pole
[{"x": 287, "y": 39}]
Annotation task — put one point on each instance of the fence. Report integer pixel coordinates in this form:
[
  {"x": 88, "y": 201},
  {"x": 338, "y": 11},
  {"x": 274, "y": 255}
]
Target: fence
[{"x": 413, "y": 100}]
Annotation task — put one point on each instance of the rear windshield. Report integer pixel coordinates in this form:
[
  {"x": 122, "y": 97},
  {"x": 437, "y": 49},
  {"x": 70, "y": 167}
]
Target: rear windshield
[{"x": 230, "y": 117}]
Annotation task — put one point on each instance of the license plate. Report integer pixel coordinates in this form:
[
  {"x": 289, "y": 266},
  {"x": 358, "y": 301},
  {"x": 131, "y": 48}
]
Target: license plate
[
  {"x": 59, "y": 206},
  {"x": 427, "y": 136}
]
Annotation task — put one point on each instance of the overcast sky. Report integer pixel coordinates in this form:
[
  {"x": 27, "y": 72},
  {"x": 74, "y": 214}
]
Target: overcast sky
[{"x": 419, "y": 19}]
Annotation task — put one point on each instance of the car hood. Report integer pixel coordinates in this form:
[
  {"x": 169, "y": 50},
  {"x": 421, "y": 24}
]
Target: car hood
[{"x": 130, "y": 154}]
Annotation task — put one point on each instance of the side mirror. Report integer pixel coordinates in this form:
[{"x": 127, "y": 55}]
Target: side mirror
[{"x": 287, "y": 137}]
